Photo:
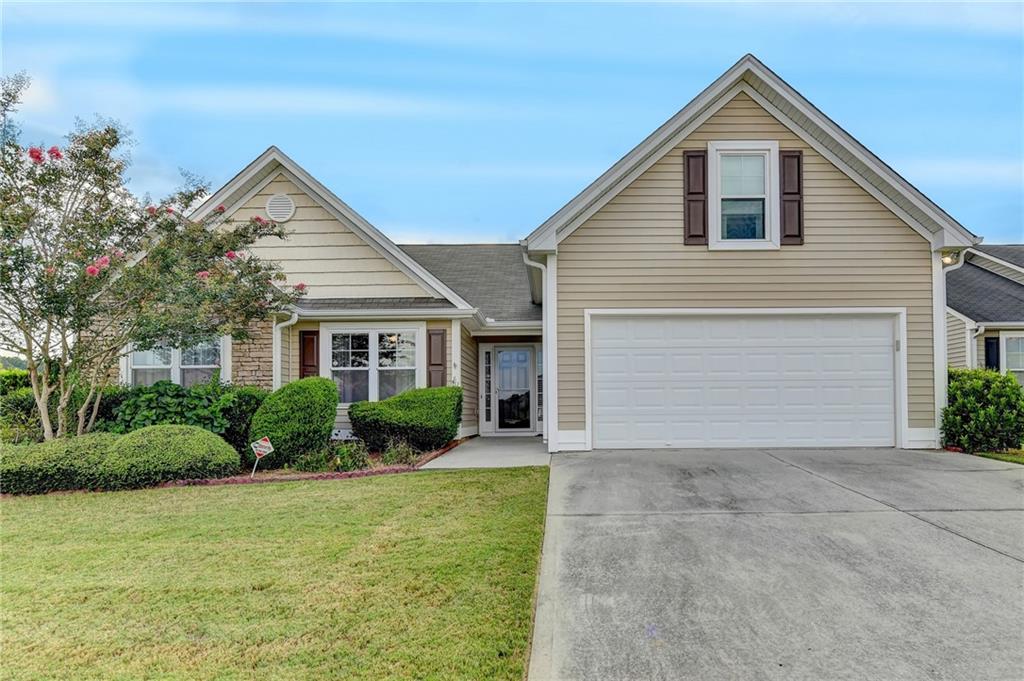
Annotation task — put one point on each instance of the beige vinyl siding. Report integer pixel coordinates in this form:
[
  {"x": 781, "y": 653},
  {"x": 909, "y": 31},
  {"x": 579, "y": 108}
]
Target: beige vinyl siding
[
  {"x": 1001, "y": 270},
  {"x": 470, "y": 380},
  {"x": 323, "y": 252},
  {"x": 856, "y": 253},
  {"x": 956, "y": 341}
]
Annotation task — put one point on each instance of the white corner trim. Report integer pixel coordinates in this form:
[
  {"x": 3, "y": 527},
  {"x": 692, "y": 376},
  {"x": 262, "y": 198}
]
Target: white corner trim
[
  {"x": 550, "y": 340},
  {"x": 225, "y": 358},
  {"x": 455, "y": 367},
  {"x": 939, "y": 340},
  {"x": 899, "y": 314}
]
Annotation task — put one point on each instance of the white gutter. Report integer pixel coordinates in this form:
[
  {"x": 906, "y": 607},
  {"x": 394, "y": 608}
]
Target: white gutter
[
  {"x": 429, "y": 313},
  {"x": 275, "y": 361},
  {"x": 545, "y": 346}
]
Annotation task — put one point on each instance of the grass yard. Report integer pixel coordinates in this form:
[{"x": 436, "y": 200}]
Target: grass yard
[
  {"x": 1013, "y": 455},
  {"x": 428, "y": 575}
]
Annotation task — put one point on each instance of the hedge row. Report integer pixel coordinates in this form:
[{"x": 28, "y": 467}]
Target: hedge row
[
  {"x": 427, "y": 418},
  {"x": 298, "y": 419},
  {"x": 219, "y": 408},
  {"x": 12, "y": 379},
  {"x": 104, "y": 461}
]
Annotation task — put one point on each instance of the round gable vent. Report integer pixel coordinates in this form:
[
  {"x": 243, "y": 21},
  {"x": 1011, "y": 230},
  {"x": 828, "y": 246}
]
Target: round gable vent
[{"x": 280, "y": 208}]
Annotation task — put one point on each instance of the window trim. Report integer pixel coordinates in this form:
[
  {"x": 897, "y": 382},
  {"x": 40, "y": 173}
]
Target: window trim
[
  {"x": 770, "y": 150},
  {"x": 1003, "y": 337},
  {"x": 127, "y": 366},
  {"x": 419, "y": 329}
]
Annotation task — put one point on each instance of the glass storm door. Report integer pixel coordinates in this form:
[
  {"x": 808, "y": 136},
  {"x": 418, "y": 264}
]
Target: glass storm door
[{"x": 514, "y": 385}]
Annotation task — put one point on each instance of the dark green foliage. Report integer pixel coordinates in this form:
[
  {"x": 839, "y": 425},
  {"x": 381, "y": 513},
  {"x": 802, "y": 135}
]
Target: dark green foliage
[
  {"x": 238, "y": 412},
  {"x": 162, "y": 453},
  {"x": 985, "y": 412},
  {"x": 298, "y": 419},
  {"x": 12, "y": 379},
  {"x": 426, "y": 419},
  {"x": 166, "y": 403},
  {"x": 19, "y": 418},
  {"x": 62, "y": 464},
  {"x": 399, "y": 452}
]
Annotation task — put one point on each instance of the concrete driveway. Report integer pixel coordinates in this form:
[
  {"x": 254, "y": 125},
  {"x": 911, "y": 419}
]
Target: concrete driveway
[{"x": 781, "y": 564}]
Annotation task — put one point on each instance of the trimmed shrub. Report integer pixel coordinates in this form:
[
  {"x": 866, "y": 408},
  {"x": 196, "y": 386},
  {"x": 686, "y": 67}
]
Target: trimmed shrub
[
  {"x": 64, "y": 464},
  {"x": 985, "y": 412},
  {"x": 158, "y": 454},
  {"x": 399, "y": 452},
  {"x": 13, "y": 379},
  {"x": 427, "y": 418},
  {"x": 298, "y": 419},
  {"x": 238, "y": 412}
]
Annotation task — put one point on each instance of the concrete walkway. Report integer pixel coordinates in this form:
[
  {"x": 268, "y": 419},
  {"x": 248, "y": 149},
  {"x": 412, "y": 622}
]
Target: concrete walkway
[
  {"x": 495, "y": 452},
  {"x": 781, "y": 564}
]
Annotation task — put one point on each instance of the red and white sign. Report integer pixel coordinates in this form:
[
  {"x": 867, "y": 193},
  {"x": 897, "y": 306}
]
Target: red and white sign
[{"x": 262, "y": 447}]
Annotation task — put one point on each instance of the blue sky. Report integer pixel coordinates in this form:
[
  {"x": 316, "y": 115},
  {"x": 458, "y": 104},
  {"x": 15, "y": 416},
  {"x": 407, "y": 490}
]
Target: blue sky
[{"x": 468, "y": 122}]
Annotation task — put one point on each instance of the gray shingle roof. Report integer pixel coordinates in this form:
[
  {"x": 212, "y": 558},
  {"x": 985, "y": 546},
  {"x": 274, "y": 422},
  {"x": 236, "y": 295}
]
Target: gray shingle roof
[
  {"x": 373, "y": 304},
  {"x": 1012, "y": 253},
  {"x": 984, "y": 296},
  {"x": 491, "y": 277}
]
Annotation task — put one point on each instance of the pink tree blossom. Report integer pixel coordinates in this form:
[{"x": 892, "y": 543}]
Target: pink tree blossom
[
  {"x": 36, "y": 154},
  {"x": 202, "y": 275},
  {"x": 92, "y": 270},
  {"x": 54, "y": 153}
]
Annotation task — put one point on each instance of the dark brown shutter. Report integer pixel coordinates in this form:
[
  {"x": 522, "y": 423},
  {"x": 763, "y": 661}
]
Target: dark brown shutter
[
  {"x": 437, "y": 363},
  {"x": 695, "y": 198},
  {"x": 791, "y": 188},
  {"x": 309, "y": 353}
]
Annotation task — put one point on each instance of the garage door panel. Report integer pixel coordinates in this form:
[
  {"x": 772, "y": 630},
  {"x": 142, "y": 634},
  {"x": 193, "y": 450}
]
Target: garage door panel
[{"x": 785, "y": 381}]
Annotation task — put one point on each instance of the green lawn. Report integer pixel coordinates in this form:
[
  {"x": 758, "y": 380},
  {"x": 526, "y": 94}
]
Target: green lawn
[
  {"x": 428, "y": 575},
  {"x": 1013, "y": 455}
]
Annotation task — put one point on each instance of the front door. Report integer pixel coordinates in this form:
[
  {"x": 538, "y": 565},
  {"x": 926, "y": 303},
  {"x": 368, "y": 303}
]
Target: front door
[{"x": 514, "y": 388}]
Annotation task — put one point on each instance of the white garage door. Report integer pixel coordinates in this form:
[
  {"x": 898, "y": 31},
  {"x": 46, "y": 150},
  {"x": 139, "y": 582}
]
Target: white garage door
[{"x": 765, "y": 381}]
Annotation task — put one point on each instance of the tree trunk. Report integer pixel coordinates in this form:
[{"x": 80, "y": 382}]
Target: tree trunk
[{"x": 41, "y": 393}]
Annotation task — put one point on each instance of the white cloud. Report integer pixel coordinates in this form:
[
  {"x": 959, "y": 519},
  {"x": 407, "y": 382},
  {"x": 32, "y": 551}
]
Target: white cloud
[{"x": 987, "y": 172}]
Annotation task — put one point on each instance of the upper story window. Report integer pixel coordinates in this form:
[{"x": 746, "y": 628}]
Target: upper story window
[
  {"x": 186, "y": 366},
  {"x": 743, "y": 186}
]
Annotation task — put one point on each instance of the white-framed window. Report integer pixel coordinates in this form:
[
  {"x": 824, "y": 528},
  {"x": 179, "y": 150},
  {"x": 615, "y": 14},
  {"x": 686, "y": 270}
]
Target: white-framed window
[
  {"x": 743, "y": 191},
  {"x": 1011, "y": 353},
  {"x": 373, "y": 363},
  {"x": 184, "y": 366}
]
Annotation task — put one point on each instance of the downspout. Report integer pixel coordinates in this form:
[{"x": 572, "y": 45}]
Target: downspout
[
  {"x": 544, "y": 342},
  {"x": 972, "y": 352},
  {"x": 276, "y": 348}
]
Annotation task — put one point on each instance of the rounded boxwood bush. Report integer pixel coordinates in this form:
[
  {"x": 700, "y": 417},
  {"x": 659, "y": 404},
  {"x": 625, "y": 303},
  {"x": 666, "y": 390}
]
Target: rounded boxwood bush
[
  {"x": 298, "y": 419},
  {"x": 156, "y": 454},
  {"x": 64, "y": 464},
  {"x": 985, "y": 412}
]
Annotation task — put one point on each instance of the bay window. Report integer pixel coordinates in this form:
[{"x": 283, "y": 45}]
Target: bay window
[
  {"x": 373, "y": 363},
  {"x": 743, "y": 186}
]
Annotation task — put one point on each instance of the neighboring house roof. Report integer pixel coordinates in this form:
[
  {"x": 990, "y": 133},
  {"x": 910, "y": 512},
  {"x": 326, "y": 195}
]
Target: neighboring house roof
[
  {"x": 492, "y": 277},
  {"x": 1011, "y": 253},
  {"x": 772, "y": 93},
  {"x": 393, "y": 303},
  {"x": 274, "y": 161},
  {"x": 984, "y": 296}
]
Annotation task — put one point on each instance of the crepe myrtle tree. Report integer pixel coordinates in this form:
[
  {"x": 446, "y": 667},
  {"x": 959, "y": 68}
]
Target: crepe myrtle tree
[{"x": 88, "y": 272}]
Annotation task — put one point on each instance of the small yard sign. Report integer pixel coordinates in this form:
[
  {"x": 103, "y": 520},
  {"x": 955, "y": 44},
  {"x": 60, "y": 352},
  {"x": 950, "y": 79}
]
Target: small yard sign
[{"x": 260, "y": 448}]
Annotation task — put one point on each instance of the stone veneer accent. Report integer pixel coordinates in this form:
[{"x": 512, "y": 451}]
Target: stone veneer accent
[{"x": 251, "y": 360}]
